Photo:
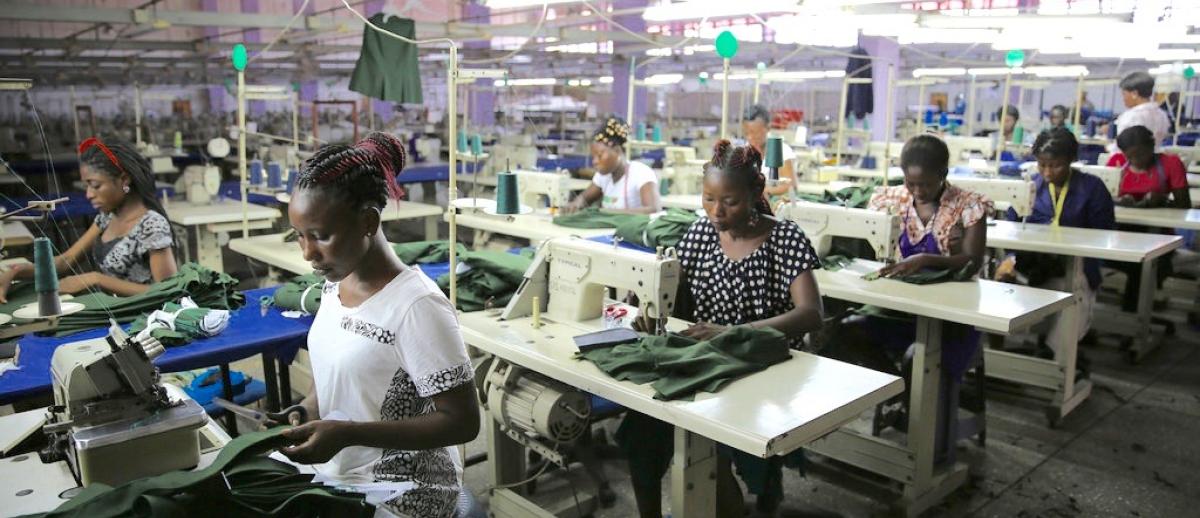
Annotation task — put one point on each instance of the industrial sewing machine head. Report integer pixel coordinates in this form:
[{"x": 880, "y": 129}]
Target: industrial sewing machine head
[
  {"x": 1016, "y": 193},
  {"x": 534, "y": 185},
  {"x": 570, "y": 277},
  {"x": 821, "y": 223},
  {"x": 685, "y": 171},
  {"x": 111, "y": 420}
]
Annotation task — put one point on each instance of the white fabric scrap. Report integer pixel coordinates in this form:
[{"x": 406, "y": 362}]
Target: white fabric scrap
[
  {"x": 8, "y": 365},
  {"x": 213, "y": 323}
]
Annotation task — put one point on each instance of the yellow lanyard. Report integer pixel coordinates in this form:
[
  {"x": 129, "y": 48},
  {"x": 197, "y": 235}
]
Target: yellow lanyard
[{"x": 1058, "y": 201}]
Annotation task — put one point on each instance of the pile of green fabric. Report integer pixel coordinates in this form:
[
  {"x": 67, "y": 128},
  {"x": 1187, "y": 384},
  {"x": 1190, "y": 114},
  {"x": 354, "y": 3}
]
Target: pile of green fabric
[
  {"x": 207, "y": 288},
  {"x": 834, "y": 263},
  {"x": 302, "y": 293},
  {"x": 242, "y": 481},
  {"x": 178, "y": 323},
  {"x": 678, "y": 367},
  {"x": 666, "y": 229},
  {"x": 855, "y": 197}
]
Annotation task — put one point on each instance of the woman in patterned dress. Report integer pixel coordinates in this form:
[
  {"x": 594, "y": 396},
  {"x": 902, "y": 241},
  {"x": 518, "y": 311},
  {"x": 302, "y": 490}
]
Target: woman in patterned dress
[
  {"x": 130, "y": 239},
  {"x": 393, "y": 392},
  {"x": 741, "y": 266}
]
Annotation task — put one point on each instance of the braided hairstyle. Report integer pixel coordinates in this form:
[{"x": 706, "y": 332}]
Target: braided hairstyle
[
  {"x": 614, "y": 132},
  {"x": 123, "y": 158},
  {"x": 744, "y": 164},
  {"x": 363, "y": 175}
]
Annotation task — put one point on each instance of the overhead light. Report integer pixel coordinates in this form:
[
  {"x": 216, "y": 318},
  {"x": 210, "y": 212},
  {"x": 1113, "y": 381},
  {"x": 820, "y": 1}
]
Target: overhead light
[
  {"x": 511, "y": 4},
  {"x": 663, "y": 79},
  {"x": 660, "y": 52},
  {"x": 1173, "y": 55},
  {"x": 536, "y": 81},
  {"x": 1052, "y": 23},
  {"x": 924, "y": 35},
  {"x": 1057, "y": 71},
  {"x": 7, "y": 83},
  {"x": 605, "y": 80},
  {"x": 266, "y": 89},
  {"x": 993, "y": 71},
  {"x": 696, "y": 9},
  {"x": 950, "y": 71}
]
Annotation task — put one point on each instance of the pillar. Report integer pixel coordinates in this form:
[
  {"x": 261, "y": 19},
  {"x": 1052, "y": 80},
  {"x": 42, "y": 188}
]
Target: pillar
[
  {"x": 218, "y": 98},
  {"x": 620, "y": 67},
  {"x": 483, "y": 100},
  {"x": 884, "y": 52},
  {"x": 254, "y": 108}
]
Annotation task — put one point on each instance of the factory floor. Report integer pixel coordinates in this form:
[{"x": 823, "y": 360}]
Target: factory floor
[{"x": 1130, "y": 450}]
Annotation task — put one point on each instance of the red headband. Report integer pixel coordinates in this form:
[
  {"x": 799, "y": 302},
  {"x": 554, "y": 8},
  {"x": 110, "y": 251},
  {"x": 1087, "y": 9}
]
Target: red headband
[{"x": 93, "y": 141}]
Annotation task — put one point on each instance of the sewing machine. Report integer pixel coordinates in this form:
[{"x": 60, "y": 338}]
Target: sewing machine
[
  {"x": 428, "y": 149},
  {"x": 508, "y": 157},
  {"x": 1017, "y": 194},
  {"x": 201, "y": 183},
  {"x": 985, "y": 146},
  {"x": 1110, "y": 175},
  {"x": 821, "y": 223},
  {"x": 112, "y": 421},
  {"x": 533, "y": 186},
  {"x": 684, "y": 170}
]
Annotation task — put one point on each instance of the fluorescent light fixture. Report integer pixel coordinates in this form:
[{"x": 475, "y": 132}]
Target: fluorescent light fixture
[
  {"x": 8, "y": 83},
  {"x": 482, "y": 73},
  {"x": 1173, "y": 55},
  {"x": 605, "y": 80},
  {"x": 1172, "y": 68},
  {"x": 950, "y": 71},
  {"x": 993, "y": 71},
  {"x": 1040, "y": 22},
  {"x": 511, "y": 4},
  {"x": 696, "y": 9},
  {"x": 660, "y": 52},
  {"x": 536, "y": 81},
  {"x": 1058, "y": 71},
  {"x": 921, "y": 35},
  {"x": 663, "y": 79}
]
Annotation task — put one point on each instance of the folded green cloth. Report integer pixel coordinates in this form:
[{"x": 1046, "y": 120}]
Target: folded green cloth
[
  {"x": 242, "y": 481},
  {"x": 302, "y": 293},
  {"x": 178, "y": 323},
  {"x": 855, "y": 197},
  {"x": 678, "y": 367},
  {"x": 592, "y": 217},
  {"x": 207, "y": 288},
  {"x": 665, "y": 230}
]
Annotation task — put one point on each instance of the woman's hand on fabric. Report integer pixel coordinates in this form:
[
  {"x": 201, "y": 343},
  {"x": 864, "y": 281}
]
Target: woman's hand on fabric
[
  {"x": 6, "y": 280},
  {"x": 703, "y": 330},
  {"x": 78, "y": 283},
  {"x": 314, "y": 442},
  {"x": 908, "y": 266}
]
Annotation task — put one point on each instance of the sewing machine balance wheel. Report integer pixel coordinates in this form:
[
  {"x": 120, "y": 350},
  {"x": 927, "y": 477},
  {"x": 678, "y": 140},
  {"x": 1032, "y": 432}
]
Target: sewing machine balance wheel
[{"x": 30, "y": 311}]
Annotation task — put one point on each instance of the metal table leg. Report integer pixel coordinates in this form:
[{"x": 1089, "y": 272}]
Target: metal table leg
[
  {"x": 271, "y": 379},
  {"x": 693, "y": 476},
  {"x": 227, "y": 393},
  {"x": 431, "y": 228}
]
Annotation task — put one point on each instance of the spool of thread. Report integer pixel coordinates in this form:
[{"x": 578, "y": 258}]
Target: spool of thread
[
  {"x": 508, "y": 200},
  {"x": 774, "y": 156},
  {"x": 476, "y": 144},
  {"x": 641, "y": 131},
  {"x": 657, "y": 133},
  {"x": 943, "y": 120},
  {"x": 254, "y": 169},
  {"x": 1018, "y": 135},
  {"x": 45, "y": 278},
  {"x": 462, "y": 142},
  {"x": 275, "y": 177},
  {"x": 928, "y": 117},
  {"x": 272, "y": 168},
  {"x": 868, "y": 162},
  {"x": 291, "y": 181}
]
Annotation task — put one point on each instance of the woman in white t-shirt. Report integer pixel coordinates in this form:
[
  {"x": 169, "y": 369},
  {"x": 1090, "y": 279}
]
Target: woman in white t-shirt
[
  {"x": 392, "y": 383},
  {"x": 619, "y": 185}
]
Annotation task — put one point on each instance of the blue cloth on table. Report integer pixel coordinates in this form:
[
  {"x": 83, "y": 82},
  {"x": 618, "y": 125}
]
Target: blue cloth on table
[
  {"x": 1088, "y": 205},
  {"x": 233, "y": 191},
  {"x": 436, "y": 172},
  {"x": 656, "y": 155},
  {"x": 249, "y": 333},
  {"x": 568, "y": 162},
  {"x": 77, "y": 204}
]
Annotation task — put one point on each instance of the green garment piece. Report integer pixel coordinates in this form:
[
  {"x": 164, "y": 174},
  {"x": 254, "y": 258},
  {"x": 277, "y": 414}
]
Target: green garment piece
[
  {"x": 423, "y": 252},
  {"x": 592, "y": 217},
  {"x": 207, "y": 288},
  {"x": 666, "y": 230},
  {"x": 834, "y": 263},
  {"x": 678, "y": 367},
  {"x": 302, "y": 288},
  {"x": 855, "y": 197},
  {"x": 242, "y": 481},
  {"x": 188, "y": 326},
  {"x": 387, "y": 68}
]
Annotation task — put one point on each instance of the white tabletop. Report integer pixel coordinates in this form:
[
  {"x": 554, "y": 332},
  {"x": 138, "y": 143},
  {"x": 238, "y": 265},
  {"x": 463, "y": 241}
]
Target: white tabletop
[
  {"x": 395, "y": 210},
  {"x": 1183, "y": 219},
  {"x": 16, "y": 233},
  {"x": 858, "y": 172},
  {"x": 223, "y": 211},
  {"x": 534, "y": 227},
  {"x": 820, "y": 188},
  {"x": 274, "y": 251},
  {"x": 1114, "y": 245},
  {"x": 466, "y": 179},
  {"x": 771, "y": 412},
  {"x": 682, "y": 201},
  {"x": 988, "y": 305}
]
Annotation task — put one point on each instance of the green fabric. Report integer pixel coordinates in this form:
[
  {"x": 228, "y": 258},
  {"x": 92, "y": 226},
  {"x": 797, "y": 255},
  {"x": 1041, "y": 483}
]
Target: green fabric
[
  {"x": 207, "y": 288},
  {"x": 288, "y": 296},
  {"x": 187, "y": 326},
  {"x": 834, "y": 263},
  {"x": 387, "y": 68},
  {"x": 592, "y": 217},
  {"x": 855, "y": 197},
  {"x": 423, "y": 252},
  {"x": 242, "y": 481},
  {"x": 666, "y": 230},
  {"x": 677, "y": 366}
]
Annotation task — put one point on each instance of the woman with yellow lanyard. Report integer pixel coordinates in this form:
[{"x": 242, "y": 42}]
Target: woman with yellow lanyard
[{"x": 1069, "y": 198}]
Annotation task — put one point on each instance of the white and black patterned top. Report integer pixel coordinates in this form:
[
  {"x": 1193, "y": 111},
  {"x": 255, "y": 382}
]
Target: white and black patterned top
[
  {"x": 128, "y": 257},
  {"x": 753, "y": 288},
  {"x": 384, "y": 360}
]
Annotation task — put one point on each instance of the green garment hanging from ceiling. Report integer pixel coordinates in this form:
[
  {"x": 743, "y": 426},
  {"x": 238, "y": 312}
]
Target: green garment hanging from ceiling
[
  {"x": 207, "y": 288},
  {"x": 678, "y": 367},
  {"x": 387, "y": 68},
  {"x": 242, "y": 481}
]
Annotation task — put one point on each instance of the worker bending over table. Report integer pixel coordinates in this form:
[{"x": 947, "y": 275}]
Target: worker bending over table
[
  {"x": 392, "y": 384},
  {"x": 1148, "y": 180},
  {"x": 756, "y": 124},
  {"x": 130, "y": 239},
  {"x": 943, "y": 227},
  {"x": 1065, "y": 197},
  {"x": 740, "y": 266},
  {"x": 619, "y": 184}
]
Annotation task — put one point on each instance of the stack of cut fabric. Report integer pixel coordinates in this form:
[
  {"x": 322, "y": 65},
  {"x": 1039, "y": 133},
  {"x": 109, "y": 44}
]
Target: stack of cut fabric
[
  {"x": 207, "y": 288},
  {"x": 661, "y": 229},
  {"x": 855, "y": 197},
  {"x": 301, "y": 294},
  {"x": 178, "y": 323}
]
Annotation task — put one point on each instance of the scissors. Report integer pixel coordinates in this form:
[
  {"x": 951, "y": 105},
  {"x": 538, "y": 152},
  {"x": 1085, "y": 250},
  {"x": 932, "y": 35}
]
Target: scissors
[{"x": 263, "y": 420}]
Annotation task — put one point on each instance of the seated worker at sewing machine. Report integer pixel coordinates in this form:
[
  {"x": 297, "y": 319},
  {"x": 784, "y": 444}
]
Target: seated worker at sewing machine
[
  {"x": 756, "y": 123},
  {"x": 130, "y": 239},
  {"x": 1008, "y": 128},
  {"x": 619, "y": 184},
  {"x": 943, "y": 227},
  {"x": 741, "y": 266},
  {"x": 392, "y": 383},
  {"x": 1148, "y": 180},
  {"x": 1058, "y": 117},
  {"x": 1065, "y": 197}
]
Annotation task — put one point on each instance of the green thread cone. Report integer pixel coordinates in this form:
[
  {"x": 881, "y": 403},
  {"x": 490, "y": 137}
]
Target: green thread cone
[{"x": 507, "y": 198}]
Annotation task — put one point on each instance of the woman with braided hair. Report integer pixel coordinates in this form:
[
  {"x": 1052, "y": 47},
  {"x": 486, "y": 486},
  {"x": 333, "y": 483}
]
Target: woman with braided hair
[
  {"x": 619, "y": 185},
  {"x": 392, "y": 384},
  {"x": 741, "y": 266},
  {"x": 130, "y": 239}
]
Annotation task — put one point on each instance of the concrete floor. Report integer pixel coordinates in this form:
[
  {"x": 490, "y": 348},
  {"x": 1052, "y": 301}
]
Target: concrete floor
[{"x": 1131, "y": 450}]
